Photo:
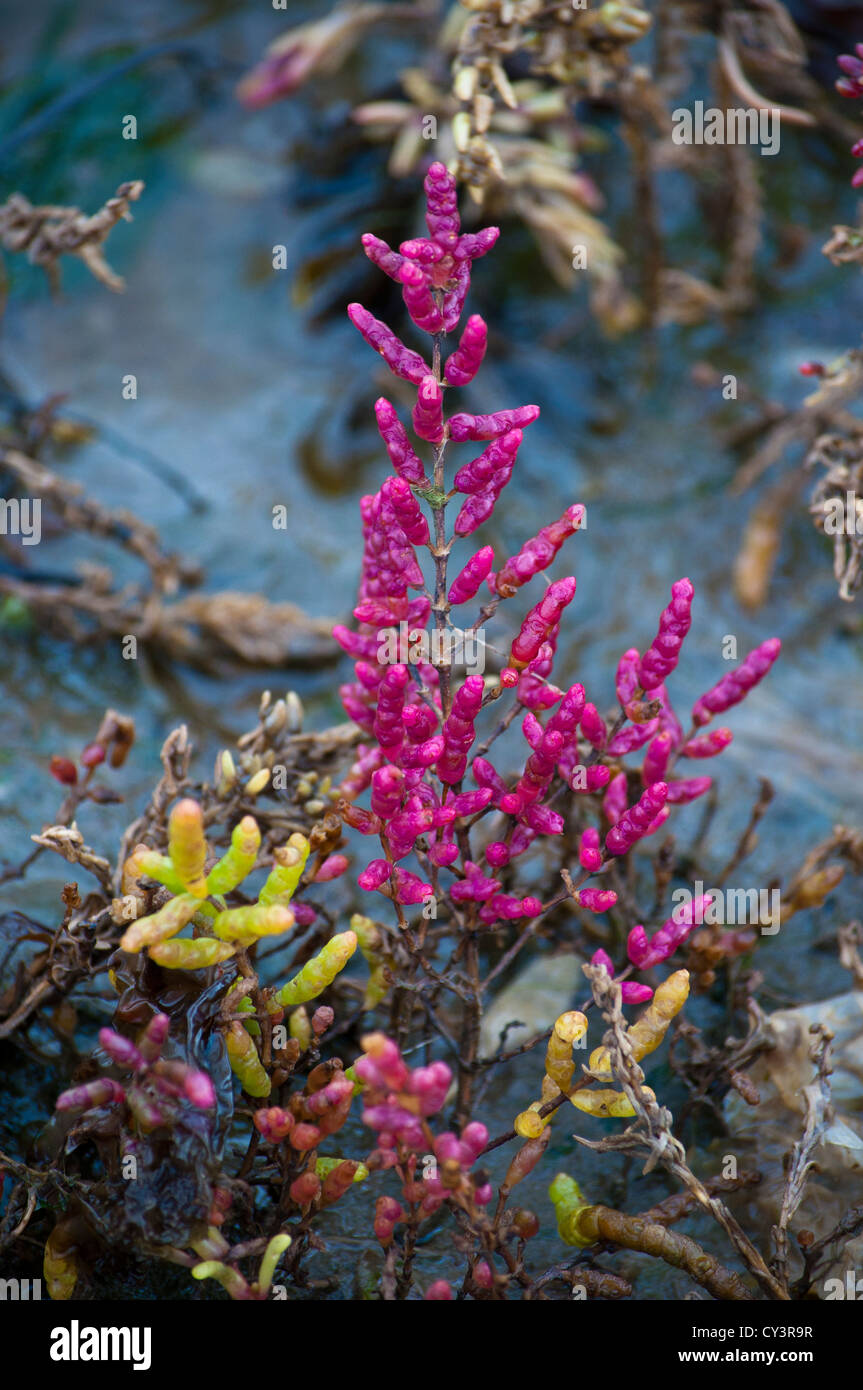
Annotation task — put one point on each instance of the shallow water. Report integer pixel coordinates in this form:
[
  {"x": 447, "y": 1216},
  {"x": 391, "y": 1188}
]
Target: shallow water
[{"x": 256, "y": 408}]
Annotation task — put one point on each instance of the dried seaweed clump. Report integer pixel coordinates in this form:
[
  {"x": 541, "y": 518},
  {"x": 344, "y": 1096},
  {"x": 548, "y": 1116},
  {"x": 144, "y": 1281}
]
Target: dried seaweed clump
[{"x": 49, "y": 232}]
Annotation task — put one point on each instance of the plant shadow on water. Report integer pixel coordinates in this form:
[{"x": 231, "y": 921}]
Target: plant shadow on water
[{"x": 257, "y": 411}]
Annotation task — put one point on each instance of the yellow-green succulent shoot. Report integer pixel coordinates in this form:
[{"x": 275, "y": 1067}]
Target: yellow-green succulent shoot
[
  {"x": 569, "y": 1206},
  {"x": 200, "y": 896},
  {"x": 372, "y": 945},
  {"x": 232, "y": 1280},
  {"x": 319, "y": 972},
  {"x": 245, "y": 1062},
  {"x": 282, "y": 880}
]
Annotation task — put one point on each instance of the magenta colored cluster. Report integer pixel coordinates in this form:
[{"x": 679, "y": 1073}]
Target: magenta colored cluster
[
  {"x": 418, "y": 713},
  {"x": 434, "y": 274},
  {"x": 581, "y": 778},
  {"x": 396, "y": 1098},
  {"x": 738, "y": 683},
  {"x": 427, "y": 416},
  {"x": 628, "y": 681},
  {"x": 388, "y": 1213},
  {"x": 488, "y": 777},
  {"x": 657, "y": 757},
  {"x": 333, "y": 867},
  {"x": 394, "y": 882},
  {"x": 420, "y": 749},
  {"x": 663, "y": 654},
  {"x": 589, "y": 852},
  {"x": 630, "y": 991},
  {"x": 538, "y": 772},
  {"x": 501, "y": 422},
  {"x": 637, "y": 822},
  {"x": 406, "y": 510},
  {"x": 459, "y": 730},
  {"x": 687, "y": 789},
  {"x": 707, "y": 745},
  {"x": 667, "y": 719},
  {"x": 389, "y": 569},
  {"x": 553, "y": 749},
  {"x": 465, "y": 362},
  {"x": 566, "y": 717},
  {"x": 400, "y": 359},
  {"x": 615, "y": 802},
  {"x": 597, "y": 899},
  {"x": 645, "y": 953},
  {"x": 851, "y": 83},
  {"x": 536, "y": 554},
  {"x": 464, "y": 1150},
  {"x": 533, "y": 688},
  {"x": 593, "y": 726},
  {"x": 467, "y": 582},
  {"x": 540, "y": 622},
  {"x": 398, "y": 1102},
  {"x": 628, "y": 739},
  {"x": 484, "y": 479},
  {"x": 156, "y": 1085},
  {"x": 401, "y": 454},
  {"x": 477, "y": 887},
  {"x": 388, "y": 727},
  {"x": 91, "y": 1095}
]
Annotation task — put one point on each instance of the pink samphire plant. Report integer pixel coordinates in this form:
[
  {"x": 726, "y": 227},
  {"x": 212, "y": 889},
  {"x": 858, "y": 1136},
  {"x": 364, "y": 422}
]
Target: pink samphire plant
[{"x": 429, "y": 784}]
